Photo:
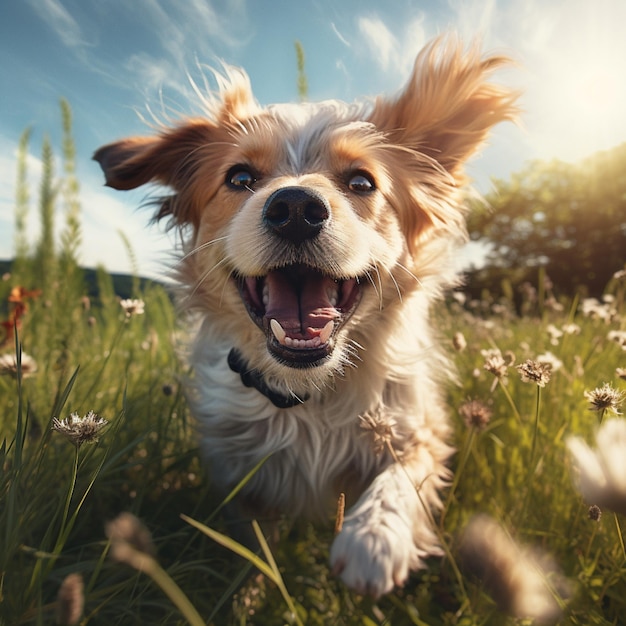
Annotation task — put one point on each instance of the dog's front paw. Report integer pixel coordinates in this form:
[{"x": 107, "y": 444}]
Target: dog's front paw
[{"x": 373, "y": 556}]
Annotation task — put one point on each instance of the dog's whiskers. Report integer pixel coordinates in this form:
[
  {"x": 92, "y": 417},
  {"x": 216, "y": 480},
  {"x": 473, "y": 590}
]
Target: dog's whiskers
[
  {"x": 410, "y": 273},
  {"x": 204, "y": 276},
  {"x": 200, "y": 248}
]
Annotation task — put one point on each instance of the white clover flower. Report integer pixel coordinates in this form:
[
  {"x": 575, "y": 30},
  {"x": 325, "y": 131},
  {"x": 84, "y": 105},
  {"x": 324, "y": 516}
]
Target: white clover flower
[
  {"x": 133, "y": 307},
  {"x": 600, "y": 474}
]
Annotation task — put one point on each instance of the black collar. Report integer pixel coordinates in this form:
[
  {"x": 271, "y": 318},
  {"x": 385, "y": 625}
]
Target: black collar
[{"x": 254, "y": 378}]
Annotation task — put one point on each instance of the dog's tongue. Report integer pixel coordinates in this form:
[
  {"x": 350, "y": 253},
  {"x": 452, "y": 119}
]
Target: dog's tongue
[{"x": 300, "y": 301}]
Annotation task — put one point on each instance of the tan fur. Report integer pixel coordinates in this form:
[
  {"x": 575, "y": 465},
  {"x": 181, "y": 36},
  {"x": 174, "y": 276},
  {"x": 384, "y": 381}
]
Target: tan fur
[{"x": 374, "y": 423}]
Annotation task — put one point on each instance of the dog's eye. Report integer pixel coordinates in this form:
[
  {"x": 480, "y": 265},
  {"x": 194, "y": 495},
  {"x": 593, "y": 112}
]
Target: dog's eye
[
  {"x": 240, "y": 177},
  {"x": 361, "y": 183}
]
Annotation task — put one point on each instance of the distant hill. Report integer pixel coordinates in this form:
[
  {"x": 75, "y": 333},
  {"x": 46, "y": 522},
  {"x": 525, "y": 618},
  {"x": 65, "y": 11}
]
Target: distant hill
[{"x": 122, "y": 283}]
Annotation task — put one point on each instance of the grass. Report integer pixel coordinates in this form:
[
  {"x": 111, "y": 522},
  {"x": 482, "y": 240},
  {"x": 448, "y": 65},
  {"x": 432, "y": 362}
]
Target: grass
[
  {"x": 58, "y": 499},
  {"x": 55, "y": 497}
]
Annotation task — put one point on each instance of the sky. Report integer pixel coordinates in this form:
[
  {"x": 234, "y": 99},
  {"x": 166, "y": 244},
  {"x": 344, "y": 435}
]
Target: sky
[{"x": 121, "y": 63}]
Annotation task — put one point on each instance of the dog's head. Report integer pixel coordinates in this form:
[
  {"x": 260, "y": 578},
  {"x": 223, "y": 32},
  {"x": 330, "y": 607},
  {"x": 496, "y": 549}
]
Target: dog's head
[{"x": 304, "y": 222}]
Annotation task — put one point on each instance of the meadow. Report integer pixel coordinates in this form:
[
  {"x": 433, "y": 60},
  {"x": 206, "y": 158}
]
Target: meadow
[{"x": 107, "y": 515}]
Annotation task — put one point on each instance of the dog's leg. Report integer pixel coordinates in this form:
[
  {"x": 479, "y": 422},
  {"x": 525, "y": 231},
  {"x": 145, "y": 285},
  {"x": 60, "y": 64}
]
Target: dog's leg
[{"x": 389, "y": 531}]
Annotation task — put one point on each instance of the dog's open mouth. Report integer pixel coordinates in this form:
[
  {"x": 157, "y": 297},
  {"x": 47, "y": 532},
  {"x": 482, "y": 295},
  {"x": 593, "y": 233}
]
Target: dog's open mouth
[{"x": 300, "y": 310}]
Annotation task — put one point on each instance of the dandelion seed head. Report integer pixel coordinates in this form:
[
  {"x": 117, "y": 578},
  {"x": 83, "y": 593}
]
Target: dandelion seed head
[
  {"x": 80, "y": 430},
  {"x": 535, "y": 372},
  {"x": 605, "y": 398},
  {"x": 475, "y": 414}
]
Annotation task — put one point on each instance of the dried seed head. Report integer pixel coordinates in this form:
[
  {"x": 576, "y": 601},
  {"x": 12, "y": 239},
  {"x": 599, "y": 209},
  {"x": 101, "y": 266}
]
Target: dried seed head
[
  {"x": 515, "y": 577},
  {"x": 458, "y": 341},
  {"x": 70, "y": 600},
  {"x": 341, "y": 507},
  {"x": 80, "y": 430},
  {"x": 125, "y": 531},
  {"x": 382, "y": 429},
  {"x": 594, "y": 513},
  {"x": 475, "y": 414},
  {"x": 535, "y": 372},
  {"x": 605, "y": 398}
]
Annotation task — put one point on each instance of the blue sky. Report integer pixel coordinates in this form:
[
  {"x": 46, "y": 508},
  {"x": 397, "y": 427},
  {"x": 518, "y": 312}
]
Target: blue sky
[{"x": 118, "y": 61}]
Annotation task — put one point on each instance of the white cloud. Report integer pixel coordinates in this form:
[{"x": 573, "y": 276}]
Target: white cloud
[
  {"x": 393, "y": 53},
  {"x": 59, "y": 19},
  {"x": 339, "y": 36}
]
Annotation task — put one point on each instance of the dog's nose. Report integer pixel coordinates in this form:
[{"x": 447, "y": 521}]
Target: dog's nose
[{"x": 296, "y": 213}]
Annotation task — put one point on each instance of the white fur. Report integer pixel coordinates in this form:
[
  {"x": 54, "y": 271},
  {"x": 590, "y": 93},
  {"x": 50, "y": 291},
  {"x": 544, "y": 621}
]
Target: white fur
[{"x": 373, "y": 424}]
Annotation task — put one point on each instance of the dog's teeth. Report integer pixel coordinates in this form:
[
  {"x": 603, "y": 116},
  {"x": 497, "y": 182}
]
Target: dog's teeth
[
  {"x": 326, "y": 332},
  {"x": 266, "y": 295},
  {"x": 333, "y": 296},
  {"x": 278, "y": 331}
]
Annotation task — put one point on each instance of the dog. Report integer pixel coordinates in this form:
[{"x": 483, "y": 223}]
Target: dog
[{"x": 316, "y": 239}]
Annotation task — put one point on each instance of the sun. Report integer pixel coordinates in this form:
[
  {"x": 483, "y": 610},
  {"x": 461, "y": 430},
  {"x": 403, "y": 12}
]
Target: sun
[{"x": 580, "y": 106}]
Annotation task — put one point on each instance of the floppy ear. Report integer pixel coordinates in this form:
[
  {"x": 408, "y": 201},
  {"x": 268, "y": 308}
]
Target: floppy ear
[
  {"x": 447, "y": 107},
  {"x": 164, "y": 159}
]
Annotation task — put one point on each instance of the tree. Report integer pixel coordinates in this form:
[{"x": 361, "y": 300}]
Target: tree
[{"x": 568, "y": 219}]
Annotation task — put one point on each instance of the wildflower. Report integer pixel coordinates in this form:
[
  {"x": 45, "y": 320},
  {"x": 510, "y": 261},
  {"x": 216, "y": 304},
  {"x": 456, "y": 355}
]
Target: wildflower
[
  {"x": 516, "y": 578},
  {"x": 605, "y": 398},
  {"x": 70, "y": 600},
  {"x": 555, "y": 334},
  {"x": 80, "y": 430},
  {"x": 594, "y": 513},
  {"x": 600, "y": 474},
  {"x": 382, "y": 429},
  {"x": 550, "y": 359},
  {"x": 8, "y": 365},
  {"x": 458, "y": 341},
  {"x": 619, "y": 337},
  {"x": 620, "y": 372},
  {"x": 126, "y": 528},
  {"x": 131, "y": 542},
  {"x": 571, "y": 329},
  {"x": 132, "y": 307},
  {"x": 619, "y": 274},
  {"x": 495, "y": 362},
  {"x": 535, "y": 372},
  {"x": 475, "y": 414},
  {"x": 592, "y": 308}
]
